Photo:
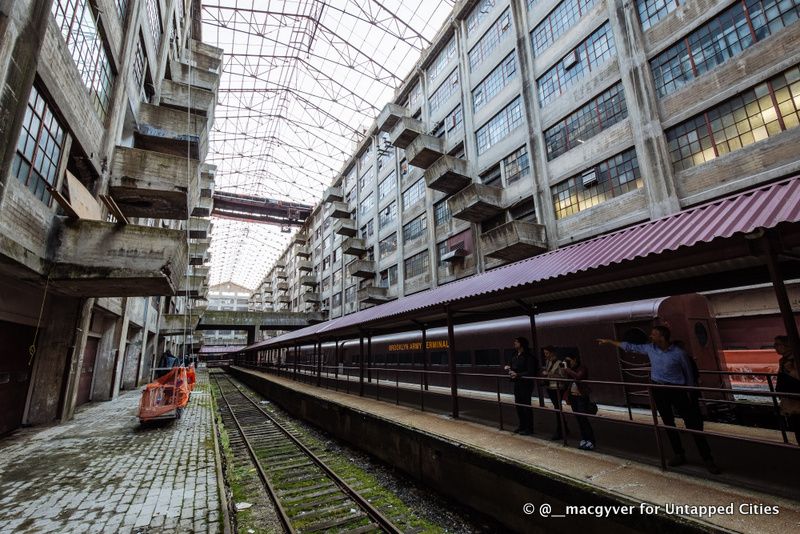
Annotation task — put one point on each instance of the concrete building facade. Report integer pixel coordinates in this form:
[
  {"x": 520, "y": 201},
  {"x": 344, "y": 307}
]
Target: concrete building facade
[
  {"x": 529, "y": 125},
  {"x": 104, "y": 198}
]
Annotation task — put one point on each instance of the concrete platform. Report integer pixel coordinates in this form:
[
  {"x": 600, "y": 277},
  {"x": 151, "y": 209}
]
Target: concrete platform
[
  {"x": 529, "y": 470},
  {"x": 102, "y": 472}
]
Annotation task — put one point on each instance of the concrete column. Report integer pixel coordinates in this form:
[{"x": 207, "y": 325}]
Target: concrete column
[
  {"x": 655, "y": 164},
  {"x": 120, "y": 344}
]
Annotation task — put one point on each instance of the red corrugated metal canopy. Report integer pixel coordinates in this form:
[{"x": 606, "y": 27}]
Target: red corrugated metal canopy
[{"x": 715, "y": 245}]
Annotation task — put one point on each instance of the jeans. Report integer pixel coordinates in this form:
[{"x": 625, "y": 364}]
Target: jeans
[
  {"x": 667, "y": 399},
  {"x": 580, "y": 404}
]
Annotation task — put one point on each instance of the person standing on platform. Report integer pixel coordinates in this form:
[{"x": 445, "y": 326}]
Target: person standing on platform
[
  {"x": 788, "y": 382},
  {"x": 555, "y": 389},
  {"x": 669, "y": 365},
  {"x": 522, "y": 367},
  {"x": 579, "y": 398}
]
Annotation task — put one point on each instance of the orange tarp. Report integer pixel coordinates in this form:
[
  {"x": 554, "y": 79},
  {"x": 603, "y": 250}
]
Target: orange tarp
[{"x": 165, "y": 394}]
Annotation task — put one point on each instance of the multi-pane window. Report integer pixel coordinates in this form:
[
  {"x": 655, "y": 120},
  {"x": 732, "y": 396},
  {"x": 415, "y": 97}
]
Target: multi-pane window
[
  {"x": 366, "y": 205},
  {"x": 139, "y": 65},
  {"x": 499, "y": 126},
  {"x": 414, "y": 97},
  {"x": 499, "y": 78},
  {"x": 516, "y": 166},
  {"x": 587, "y": 56},
  {"x": 350, "y": 294},
  {"x": 414, "y": 194},
  {"x": 483, "y": 49},
  {"x": 387, "y": 186},
  {"x": 154, "y": 18},
  {"x": 448, "y": 53},
  {"x": 387, "y": 246},
  {"x": 388, "y": 277},
  {"x": 720, "y": 39},
  {"x": 562, "y": 18},
  {"x": 448, "y": 88},
  {"x": 364, "y": 161},
  {"x": 367, "y": 230},
  {"x": 603, "y": 111},
  {"x": 336, "y": 277},
  {"x": 38, "y": 148},
  {"x": 756, "y": 114},
  {"x": 122, "y": 7},
  {"x": 80, "y": 30},
  {"x": 479, "y": 13},
  {"x": 416, "y": 264},
  {"x": 387, "y": 215},
  {"x": 336, "y": 300},
  {"x": 651, "y": 11},
  {"x": 609, "y": 179},
  {"x": 385, "y": 150},
  {"x": 403, "y": 168},
  {"x": 441, "y": 213},
  {"x": 415, "y": 228}
]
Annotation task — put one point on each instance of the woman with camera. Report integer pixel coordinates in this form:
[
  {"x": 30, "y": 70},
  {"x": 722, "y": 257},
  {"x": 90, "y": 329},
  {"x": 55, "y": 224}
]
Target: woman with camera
[
  {"x": 553, "y": 368},
  {"x": 579, "y": 398}
]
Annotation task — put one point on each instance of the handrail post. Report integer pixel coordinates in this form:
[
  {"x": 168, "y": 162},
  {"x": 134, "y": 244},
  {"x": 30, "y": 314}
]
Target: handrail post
[
  {"x": 425, "y": 356},
  {"x": 318, "y": 346},
  {"x": 499, "y": 402},
  {"x": 397, "y": 386},
  {"x": 656, "y": 428},
  {"x": 422, "y": 380},
  {"x": 781, "y": 421}
]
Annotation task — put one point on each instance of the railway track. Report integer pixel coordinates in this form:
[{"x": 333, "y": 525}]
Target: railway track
[{"x": 308, "y": 495}]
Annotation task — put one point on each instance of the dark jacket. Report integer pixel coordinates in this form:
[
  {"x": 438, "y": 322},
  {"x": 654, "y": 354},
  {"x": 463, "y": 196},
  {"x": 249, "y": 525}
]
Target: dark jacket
[
  {"x": 578, "y": 374},
  {"x": 523, "y": 365}
]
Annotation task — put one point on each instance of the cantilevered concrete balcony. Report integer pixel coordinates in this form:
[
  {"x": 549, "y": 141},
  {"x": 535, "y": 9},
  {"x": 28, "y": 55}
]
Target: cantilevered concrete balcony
[
  {"x": 514, "y": 241},
  {"x": 148, "y": 184},
  {"x": 169, "y": 131},
  {"x": 281, "y": 275},
  {"x": 208, "y": 175},
  {"x": 310, "y": 297},
  {"x": 284, "y": 299},
  {"x": 362, "y": 268},
  {"x": 354, "y": 246},
  {"x": 345, "y": 227},
  {"x": 193, "y": 286},
  {"x": 175, "y": 324},
  {"x": 339, "y": 210},
  {"x": 104, "y": 259},
  {"x": 302, "y": 252},
  {"x": 405, "y": 131},
  {"x": 389, "y": 115},
  {"x": 198, "y": 251},
  {"x": 448, "y": 174},
  {"x": 332, "y": 194},
  {"x": 199, "y": 227},
  {"x": 280, "y": 264},
  {"x": 308, "y": 280},
  {"x": 476, "y": 203},
  {"x": 203, "y": 207},
  {"x": 205, "y": 56},
  {"x": 424, "y": 151},
  {"x": 300, "y": 239},
  {"x": 372, "y": 295},
  {"x": 267, "y": 290},
  {"x": 201, "y": 270},
  {"x": 183, "y": 72},
  {"x": 282, "y": 286},
  {"x": 184, "y": 97},
  {"x": 305, "y": 266}
]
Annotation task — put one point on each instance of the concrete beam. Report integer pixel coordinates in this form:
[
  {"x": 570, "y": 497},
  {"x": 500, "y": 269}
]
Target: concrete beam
[
  {"x": 170, "y": 131},
  {"x": 185, "y": 97},
  {"x": 240, "y": 320}
]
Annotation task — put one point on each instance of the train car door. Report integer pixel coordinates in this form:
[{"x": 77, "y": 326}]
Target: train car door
[
  {"x": 14, "y": 374},
  {"x": 87, "y": 370},
  {"x": 634, "y": 367},
  {"x": 704, "y": 350}
]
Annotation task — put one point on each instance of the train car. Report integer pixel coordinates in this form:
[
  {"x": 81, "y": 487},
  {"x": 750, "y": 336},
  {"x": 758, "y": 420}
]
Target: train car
[{"x": 484, "y": 348}]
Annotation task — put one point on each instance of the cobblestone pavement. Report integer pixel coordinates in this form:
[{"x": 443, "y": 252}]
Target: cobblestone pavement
[{"x": 102, "y": 472}]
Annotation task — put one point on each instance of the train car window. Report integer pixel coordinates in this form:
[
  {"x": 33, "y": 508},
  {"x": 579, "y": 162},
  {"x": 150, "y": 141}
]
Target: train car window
[
  {"x": 438, "y": 357},
  {"x": 701, "y": 333},
  {"x": 636, "y": 336},
  {"x": 463, "y": 357},
  {"x": 406, "y": 357},
  {"x": 487, "y": 357},
  {"x": 380, "y": 359}
]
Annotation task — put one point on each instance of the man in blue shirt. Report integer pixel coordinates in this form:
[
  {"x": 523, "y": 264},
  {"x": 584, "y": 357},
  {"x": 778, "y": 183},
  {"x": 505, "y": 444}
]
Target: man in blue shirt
[{"x": 669, "y": 365}]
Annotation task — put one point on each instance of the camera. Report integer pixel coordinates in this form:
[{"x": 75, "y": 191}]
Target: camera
[{"x": 562, "y": 363}]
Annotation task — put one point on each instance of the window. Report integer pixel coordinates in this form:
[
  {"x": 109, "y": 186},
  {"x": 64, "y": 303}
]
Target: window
[
  {"x": 387, "y": 186},
  {"x": 388, "y": 277},
  {"x": 498, "y": 79},
  {"x": 364, "y": 161},
  {"x": 438, "y": 65},
  {"x": 350, "y": 294},
  {"x": 499, "y": 126},
  {"x": 461, "y": 241},
  {"x": 591, "y": 53},
  {"x": 416, "y": 264},
  {"x": 387, "y": 215},
  {"x": 562, "y": 18},
  {"x": 441, "y": 213},
  {"x": 336, "y": 300},
  {"x": 516, "y": 166},
  {"x": 367, "y": 230},
  {"x": 325, "y": 284},
  {"x": 385, "y": 150},
  {"x": 336, "y": 277},
  {"x": 720, "y": 39},
  {"x": 403, "y": 168},
  {"x": 387, "y": 246},
  {"x": 366, "y": 205},
  {"x": 651, "y": 11},
  {"x": 78, "y": 26},
  {"x": 610, "y": 178},
  {"x": 326, "y": 262},
  {"x": 39, "y": 148},
  {"x": 122, "y": 7},
  {"x": 154, "y": 18},
  {"x": 524, "y": 211},
  {"x": 492, "y": 177},
  {"x": 448, "y": 88},
  {"x": 414, "y": 97},
  {"x": 414, "y": 194},
  {"x": 490, "y": 40},
  {"x": 603, "y": 111},
  {"x": 415, "y": 229},
  {"x": 756, "y": 114},
  {"x": 479, "y": 13},
  {"x": 454, "y": 119}
]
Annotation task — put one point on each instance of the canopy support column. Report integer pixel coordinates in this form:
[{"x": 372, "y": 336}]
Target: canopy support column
[
  {"x": 784, "y": 304},
  {"x": 361, "y": 366},
  {"x": 451, "y": 353}
]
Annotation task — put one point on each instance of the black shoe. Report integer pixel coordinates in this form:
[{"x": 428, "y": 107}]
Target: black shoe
[
  {"x": 525, "y": 432},
  {"x": 712, "y": 467},
  {"x": 677, "y": 460},
  {"x": 518, "y": 430},
  {"x": 556, "y": 437}
]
